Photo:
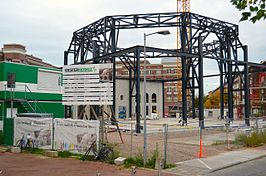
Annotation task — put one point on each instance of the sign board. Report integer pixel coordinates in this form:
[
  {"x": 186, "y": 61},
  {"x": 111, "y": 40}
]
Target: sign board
[
  {"x": 90, "y": 84},
  {"x": 39, "y": 129},
  {"x": 75, "y": 135},
  {"x": 122, "y": 112}
]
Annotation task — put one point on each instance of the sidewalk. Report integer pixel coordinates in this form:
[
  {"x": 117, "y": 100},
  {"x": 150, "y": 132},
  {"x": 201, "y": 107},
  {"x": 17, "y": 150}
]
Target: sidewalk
[{"x": 203, "y": 166}]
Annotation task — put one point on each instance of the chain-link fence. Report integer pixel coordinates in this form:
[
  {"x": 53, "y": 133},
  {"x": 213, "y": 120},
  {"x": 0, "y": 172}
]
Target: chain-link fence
[{"x": 174, "y": 142}]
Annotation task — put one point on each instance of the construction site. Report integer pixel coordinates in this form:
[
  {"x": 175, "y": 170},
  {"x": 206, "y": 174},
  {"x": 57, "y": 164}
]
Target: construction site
[{"x": 117, "y": 95}]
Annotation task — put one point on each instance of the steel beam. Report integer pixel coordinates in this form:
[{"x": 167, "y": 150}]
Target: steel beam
[
  {"x": 184, "y": 69},
  {"x": 246, "y": 87},
  {"x": 201, "y": 87},
  {"x": 229, "y": 83},
  {"x": 138, "y": 114}
]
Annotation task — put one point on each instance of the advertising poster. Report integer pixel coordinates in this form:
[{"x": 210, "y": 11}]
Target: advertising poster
[
  {"x": 75, "y": 135},
  {"x": 38, "y": 129},
  {"x": 90, "y": 84}
]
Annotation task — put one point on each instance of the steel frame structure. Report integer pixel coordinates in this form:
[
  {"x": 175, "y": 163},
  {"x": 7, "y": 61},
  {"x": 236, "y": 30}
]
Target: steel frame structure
[{"x": 101, "y": 38}]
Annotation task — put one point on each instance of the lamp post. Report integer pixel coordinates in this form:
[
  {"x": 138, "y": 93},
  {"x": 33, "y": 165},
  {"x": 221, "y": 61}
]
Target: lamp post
[{"x": 162, "y": 32}]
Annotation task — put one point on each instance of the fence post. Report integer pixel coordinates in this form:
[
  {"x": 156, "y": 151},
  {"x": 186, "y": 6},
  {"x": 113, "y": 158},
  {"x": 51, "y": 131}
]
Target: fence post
[
  {"x": 257, "y": 125},
  {"x": 227, "y": 124},
  {"x": 201, "y": 152},
  {"x": 101, "y": 131},
  {"x": 131, "y": 139},
  {"x": 53, "y": 129},
  {"x": 165, "y": 143}
]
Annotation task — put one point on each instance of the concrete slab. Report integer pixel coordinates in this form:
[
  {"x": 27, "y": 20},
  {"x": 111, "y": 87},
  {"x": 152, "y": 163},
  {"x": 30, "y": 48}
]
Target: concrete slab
[
  {"x": 224, "y": 160},
  {"x": 51, "y": 153},
  {"x": 120, "y": 160},
  {"x": 15, "y": 149}
]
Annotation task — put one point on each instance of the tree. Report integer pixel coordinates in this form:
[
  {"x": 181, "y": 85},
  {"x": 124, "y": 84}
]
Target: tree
[
  {"x": 253, "y": 10},
  {"x": 213, "y": 100}
]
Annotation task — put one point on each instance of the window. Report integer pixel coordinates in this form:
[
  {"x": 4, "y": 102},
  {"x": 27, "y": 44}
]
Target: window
[
  {"x": 210, "y": 113},
  {"x": 147, "y": 110},
  {"x": 153, "y": 98},
  {"x": 121, "y": 97},
  {"x": 147, "y": 98},
  {"x": 154, "y": 109}
]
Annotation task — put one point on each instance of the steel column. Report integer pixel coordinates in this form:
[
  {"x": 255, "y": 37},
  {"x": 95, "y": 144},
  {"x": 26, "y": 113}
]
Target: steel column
[
  {"x": 137, "y": 92},
  {"x": 246, "y": 86},
  {"x": 201, "y": 88},
  {"x": 193, "y": 93},
  {"x": 229, "y": 83},
  {"x": 184, "y": 70},
  {"x": 221, "y": 90},
  {"x": 130, "y": 94},
  {"x": 113, "y": 49},
  {"x": 65, "y": 58}
]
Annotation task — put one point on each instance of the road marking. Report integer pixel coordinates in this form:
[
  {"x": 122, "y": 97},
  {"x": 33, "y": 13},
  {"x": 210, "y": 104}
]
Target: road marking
[{"x": 205, "y": 164}]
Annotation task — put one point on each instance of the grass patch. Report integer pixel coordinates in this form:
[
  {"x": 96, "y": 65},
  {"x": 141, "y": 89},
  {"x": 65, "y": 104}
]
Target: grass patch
[
  {"x": 169, "y": 166},
  {"x": 67, "y": 154},
  {"x": 36, "y": 151},
  {"x": 138, "y": 160},
  {"x": 112, "y": 157},
  {"x": 255, "y": 139},
  {"x": 219, "y": 142}
]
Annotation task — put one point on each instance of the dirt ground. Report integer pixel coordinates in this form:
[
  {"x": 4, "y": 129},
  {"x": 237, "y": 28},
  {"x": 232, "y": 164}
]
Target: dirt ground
[
  {"x": 178, "y": 149},
  {"x": 12, "y": 164}
]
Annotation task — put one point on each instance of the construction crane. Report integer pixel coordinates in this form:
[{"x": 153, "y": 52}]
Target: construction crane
[{"x": 182, "y": 6}]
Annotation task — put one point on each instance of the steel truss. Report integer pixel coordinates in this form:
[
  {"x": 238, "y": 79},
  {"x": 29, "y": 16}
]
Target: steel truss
[{"x": 101, "y": 38}]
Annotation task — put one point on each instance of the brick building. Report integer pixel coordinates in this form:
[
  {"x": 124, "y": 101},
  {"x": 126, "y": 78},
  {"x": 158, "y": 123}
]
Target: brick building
[
  {"x": 17, "y": 53},
  {"x": 168, "y": 69}
]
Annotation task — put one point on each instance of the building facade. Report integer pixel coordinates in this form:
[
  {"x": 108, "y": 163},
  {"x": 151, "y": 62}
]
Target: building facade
[
  {"x": 258, "y": 91},
  {"x": 168, "y": 69},
  {"x": 154, "y": 100},
  {"x": 27, "y": 85}
]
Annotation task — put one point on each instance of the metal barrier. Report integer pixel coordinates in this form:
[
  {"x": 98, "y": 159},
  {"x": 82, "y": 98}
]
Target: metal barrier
[{"x": 175, "y": 142}]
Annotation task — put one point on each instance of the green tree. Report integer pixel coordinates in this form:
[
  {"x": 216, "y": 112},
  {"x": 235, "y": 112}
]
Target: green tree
[{"x": 253, "y": 10}]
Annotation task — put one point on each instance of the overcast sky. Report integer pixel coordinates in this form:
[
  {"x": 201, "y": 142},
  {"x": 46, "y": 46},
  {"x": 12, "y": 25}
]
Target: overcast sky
[{"x": 45, "y": 27}]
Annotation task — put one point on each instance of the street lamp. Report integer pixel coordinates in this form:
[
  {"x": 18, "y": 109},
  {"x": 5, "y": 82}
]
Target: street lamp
[{"x": 162, "y": 32}]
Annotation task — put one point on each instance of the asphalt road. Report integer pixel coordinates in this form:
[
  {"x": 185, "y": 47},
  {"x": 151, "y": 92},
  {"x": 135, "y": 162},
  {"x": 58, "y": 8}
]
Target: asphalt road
[{"x": 251, "y": 168}]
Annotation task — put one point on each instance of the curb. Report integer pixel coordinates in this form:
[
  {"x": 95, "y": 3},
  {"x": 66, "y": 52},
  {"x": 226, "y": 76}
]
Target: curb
[{"x": 237, "y": 163}]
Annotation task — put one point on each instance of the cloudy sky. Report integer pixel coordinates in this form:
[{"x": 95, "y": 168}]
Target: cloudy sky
[{"x": 45, "y": 27}]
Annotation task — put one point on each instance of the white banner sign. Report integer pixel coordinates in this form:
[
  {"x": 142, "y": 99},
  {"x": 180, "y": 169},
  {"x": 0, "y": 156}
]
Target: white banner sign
[
  {"x": 75, "y": 135},
  {"x": 38, "y": 129},
  {"x": 90, "y": 84}
]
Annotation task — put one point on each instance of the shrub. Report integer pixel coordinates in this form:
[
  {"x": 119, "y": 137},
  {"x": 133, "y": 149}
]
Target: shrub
[
  {"x": 111, "y": 159},
  {"x": 253, "y": 140},
  {"x": 153, "y": 158},
  {"x": 138, "y": 160}
]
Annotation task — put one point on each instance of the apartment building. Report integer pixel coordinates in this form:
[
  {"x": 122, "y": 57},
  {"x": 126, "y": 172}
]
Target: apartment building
[{"x": 168, "y": 69}]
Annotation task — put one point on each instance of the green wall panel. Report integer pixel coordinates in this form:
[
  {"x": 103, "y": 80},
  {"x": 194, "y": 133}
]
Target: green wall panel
[
  {"x": 56, "y": 108},
  {"x": 24, "y": 73},
  {"x": 2, "y": 78},
  {"x": 32, "y": 96}
]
